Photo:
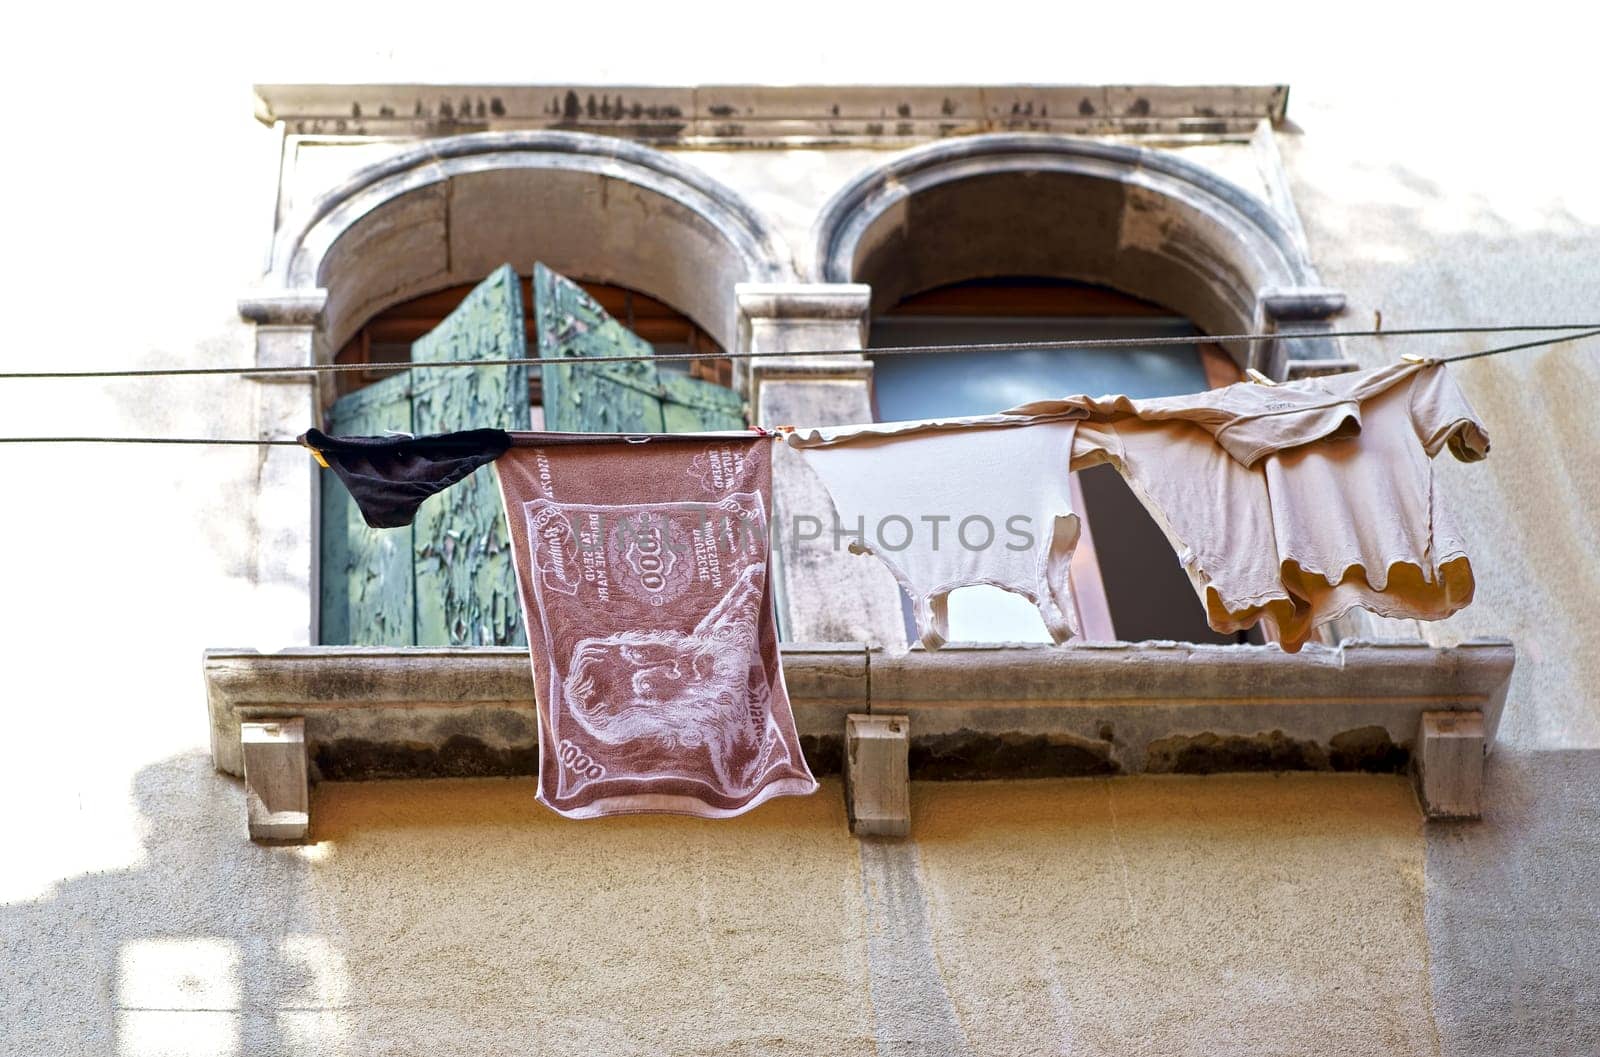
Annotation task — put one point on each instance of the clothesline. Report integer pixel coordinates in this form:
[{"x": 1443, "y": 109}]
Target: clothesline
[
  {"x": 643, "y": 574},
  {"x": 1590, "y": 329},
  {"x": 291, "y": 442},
  {"x": 264, "y": 443}
]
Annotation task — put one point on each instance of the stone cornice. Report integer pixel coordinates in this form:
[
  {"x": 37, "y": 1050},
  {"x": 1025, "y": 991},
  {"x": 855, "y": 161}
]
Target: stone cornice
[{"x": 761, "y": 115}]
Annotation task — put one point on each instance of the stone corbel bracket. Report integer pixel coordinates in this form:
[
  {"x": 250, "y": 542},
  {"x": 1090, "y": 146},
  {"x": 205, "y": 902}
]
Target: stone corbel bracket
[
  {"x": 962, "y": 712},
  {"x": 1300, "y": 317},
  {"x": 288, "y": 331},
  {"x": 877, "y": 780},
  {"x": 277, "y": 788}
]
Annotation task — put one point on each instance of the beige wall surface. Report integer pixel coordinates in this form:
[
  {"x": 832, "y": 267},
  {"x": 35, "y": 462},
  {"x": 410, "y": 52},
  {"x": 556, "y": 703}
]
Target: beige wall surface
[
  {"x": 1300, "y": 914},
  {"x": 1144, "y": 915}
]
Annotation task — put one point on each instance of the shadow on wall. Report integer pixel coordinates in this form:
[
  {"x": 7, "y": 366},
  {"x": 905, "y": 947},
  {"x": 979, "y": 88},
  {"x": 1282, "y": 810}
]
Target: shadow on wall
[
  {"x": 199, "y": 950},
  {"x": 458, "y": 916},
  {"x": 445, "y": 917},
  {"x": 1513, "y": 912}
]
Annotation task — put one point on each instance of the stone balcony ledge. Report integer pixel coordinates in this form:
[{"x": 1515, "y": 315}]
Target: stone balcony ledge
[{"x": 973, "y": 711}]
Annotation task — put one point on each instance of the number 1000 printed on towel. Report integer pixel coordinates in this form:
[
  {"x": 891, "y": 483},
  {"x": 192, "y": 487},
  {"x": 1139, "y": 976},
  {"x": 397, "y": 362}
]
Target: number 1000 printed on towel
[{"x": 654, "y": 646}]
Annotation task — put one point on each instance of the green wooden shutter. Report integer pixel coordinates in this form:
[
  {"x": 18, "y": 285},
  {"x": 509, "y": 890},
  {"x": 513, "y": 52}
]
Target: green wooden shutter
[
  {"x": 466, "y": 589},
  {"x": 634, "y": 397},
  {"x": 447, "y": 579},
  {"x": 692, "y": 404},
  {"x": 367, "y": 588}
]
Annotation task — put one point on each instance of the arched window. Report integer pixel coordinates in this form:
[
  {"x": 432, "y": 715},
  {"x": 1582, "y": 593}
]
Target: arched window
[
  {"x": 1126, "y": 582},
  {"x": 1016, "y": 238},
  {"x": 406, "y": 259}
]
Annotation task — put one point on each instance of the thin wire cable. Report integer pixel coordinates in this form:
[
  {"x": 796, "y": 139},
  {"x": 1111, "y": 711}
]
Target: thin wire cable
[
  {"x": 265, "y": 442},
  {"x": 284, "y": 442},
  {"x": 592, "y": 361},
  {"x": 1517, "y": 348}
]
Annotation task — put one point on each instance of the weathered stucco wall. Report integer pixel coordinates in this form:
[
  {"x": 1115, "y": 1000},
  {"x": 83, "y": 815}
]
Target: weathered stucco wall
[
  {"x": 1265, "y": 914},
  {"x": 1175, "y": 915},
  {"x": 1448, "y": 230}
]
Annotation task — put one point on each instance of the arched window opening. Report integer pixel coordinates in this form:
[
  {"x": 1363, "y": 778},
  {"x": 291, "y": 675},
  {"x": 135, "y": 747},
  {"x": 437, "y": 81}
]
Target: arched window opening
[
  {"x": 1128, "y": 583},
  {"x": 407, "y": 259},
  {"x": 387, "y": 336},
  {"x": 446, "y": 577}
]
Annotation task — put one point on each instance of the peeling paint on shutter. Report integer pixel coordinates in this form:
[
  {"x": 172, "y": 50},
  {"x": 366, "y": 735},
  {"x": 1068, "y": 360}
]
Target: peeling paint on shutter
[
  {"x": 447, "y": 579},
  {"x": 634, "y": 397},
  {"x": 465, "y": 587},
  {"x": 615, "y": 398},
  {"x": 691, "y": 404}
]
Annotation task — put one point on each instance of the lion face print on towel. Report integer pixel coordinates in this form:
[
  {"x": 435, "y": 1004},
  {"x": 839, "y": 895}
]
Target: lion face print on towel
[{"x": 644, "y": 579}]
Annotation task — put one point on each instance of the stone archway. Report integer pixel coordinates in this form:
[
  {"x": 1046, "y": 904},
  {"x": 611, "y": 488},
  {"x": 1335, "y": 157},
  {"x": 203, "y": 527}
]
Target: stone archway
[
  {"x": 449, "y": 211},
  {"x": 1145, "y": 222}
]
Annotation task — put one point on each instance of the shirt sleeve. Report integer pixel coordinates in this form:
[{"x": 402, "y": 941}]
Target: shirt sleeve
[{"x": 1441, "y": 415}]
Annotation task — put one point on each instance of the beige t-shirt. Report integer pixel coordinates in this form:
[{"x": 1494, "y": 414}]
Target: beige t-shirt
[
  {"x": 1359, "y": 520},
  {"x": 1303, "y": 530},
  {"x": 1249, "y": 421},
  {"x": 1214, "y": 511},
  {"x": 953, "y": 503}
]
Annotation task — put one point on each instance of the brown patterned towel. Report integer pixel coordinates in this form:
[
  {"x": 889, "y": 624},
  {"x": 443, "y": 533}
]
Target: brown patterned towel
[{"x": 644, "y": 581}]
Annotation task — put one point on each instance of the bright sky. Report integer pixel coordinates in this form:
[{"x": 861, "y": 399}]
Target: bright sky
[{"x": 1506, "y": 103}]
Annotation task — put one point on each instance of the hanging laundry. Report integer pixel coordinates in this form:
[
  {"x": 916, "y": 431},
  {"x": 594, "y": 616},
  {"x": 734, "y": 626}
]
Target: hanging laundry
[
  {"x": 644, "y": 576},
  {"x": 1325, "y": 501},
  {"x": 1214, "y": 511},
  {"x": 954, "y": 503},
  {"x": 1247, "y": 420},
  {"x": 389, "y": 477},
  {"x": 1288, "y": 505},
  {"x": 1360, "y": 521}
]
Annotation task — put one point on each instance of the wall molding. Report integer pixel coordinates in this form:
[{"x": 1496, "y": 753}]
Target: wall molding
[{"x": 755, "y": 116}]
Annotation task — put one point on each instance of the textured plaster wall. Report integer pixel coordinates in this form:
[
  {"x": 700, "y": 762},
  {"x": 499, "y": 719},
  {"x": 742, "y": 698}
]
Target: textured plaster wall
[
  {"x": 1129, "y": 916},
  {"x": 1176, "y": 915},
  {"x": 1235, "y": 916},
  {"x": 1443, "y": 228}
]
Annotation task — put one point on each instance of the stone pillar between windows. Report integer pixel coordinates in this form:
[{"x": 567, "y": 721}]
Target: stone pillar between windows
[
  {"x": 288, "y": 334},
  {"x": 825, "y": 593}
]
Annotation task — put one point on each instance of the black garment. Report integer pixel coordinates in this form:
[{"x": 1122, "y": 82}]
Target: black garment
[{"x": 389, "y": 477}]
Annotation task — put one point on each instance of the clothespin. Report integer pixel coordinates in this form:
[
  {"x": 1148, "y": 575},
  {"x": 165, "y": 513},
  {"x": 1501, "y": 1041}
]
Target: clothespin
[
  {"x": 1257, "y": 377},
  {"x": 1411, "y": 357},
  {"x": 315, "y": 454}
]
